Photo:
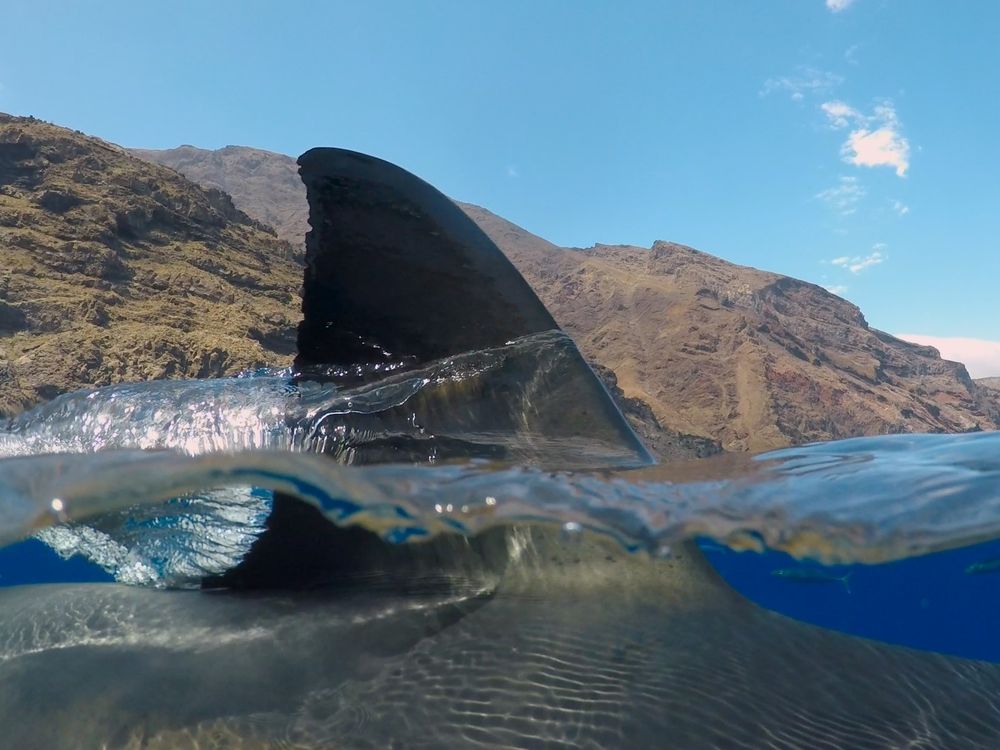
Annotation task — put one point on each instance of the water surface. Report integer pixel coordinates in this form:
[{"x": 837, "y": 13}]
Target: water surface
[{"x": 159, "y": 484}]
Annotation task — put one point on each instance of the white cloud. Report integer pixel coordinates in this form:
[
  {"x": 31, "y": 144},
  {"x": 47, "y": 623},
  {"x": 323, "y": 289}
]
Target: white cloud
[
  {"x": 805, "y": 81},
  {"x": 838, "y": 5},
  {"x": 512, "y": 171},
  {"x": 900, "y": 208},
  {"x": 838, "y": 289},
  {"x": 980, "y": 357},
  {"x": 859, "y": 263},
  {"x": 844, "y": 196},
  {"x": 876, "y": 140},
  {"x": 877, "y": 148},
  {"x": 851, "y": 54}
]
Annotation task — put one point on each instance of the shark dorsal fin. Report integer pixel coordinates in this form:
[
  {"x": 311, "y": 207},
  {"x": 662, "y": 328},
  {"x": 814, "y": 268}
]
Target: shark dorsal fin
[{"x": 394, "y": 269}]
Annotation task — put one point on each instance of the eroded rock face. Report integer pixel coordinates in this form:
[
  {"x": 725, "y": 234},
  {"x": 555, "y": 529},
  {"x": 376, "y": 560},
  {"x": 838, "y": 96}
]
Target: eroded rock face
[
  {"x": 665, "y": 443},
  {"x": 116, "y": 269},
  {"x": 750, "y": 359}
]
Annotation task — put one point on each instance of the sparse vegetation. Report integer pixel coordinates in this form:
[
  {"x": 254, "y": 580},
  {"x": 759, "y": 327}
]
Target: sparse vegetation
[{"x": 116, "y": 269}]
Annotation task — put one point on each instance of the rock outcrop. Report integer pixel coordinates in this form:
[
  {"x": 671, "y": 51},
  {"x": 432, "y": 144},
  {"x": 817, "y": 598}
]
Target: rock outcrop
[{"x": 991, "y": 383}]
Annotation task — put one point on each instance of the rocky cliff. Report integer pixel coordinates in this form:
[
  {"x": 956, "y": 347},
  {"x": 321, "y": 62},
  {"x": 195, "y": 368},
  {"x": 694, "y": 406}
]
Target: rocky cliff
[
  {"x": 703, "y": 347},
  {"x": 117, "y": 269},
  {"x": 752, "y": 359}
]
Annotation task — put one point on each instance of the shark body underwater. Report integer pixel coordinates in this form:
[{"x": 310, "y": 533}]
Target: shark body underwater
[{"x": 327, "y": 636}]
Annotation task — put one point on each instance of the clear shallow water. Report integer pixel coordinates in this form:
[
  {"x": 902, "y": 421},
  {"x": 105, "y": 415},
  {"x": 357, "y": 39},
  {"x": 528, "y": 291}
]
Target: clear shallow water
[{"x": 159, "y": 484}]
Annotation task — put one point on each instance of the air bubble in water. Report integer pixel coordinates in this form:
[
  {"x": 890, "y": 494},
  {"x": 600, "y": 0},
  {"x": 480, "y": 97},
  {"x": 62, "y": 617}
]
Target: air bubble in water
[{"x": 571, "y": 531}]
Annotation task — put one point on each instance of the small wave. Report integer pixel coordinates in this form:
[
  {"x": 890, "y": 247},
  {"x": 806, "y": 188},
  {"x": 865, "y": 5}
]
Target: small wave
[
  {"x": 514, "y": 403},
  {"x": 865, "y": 500}
]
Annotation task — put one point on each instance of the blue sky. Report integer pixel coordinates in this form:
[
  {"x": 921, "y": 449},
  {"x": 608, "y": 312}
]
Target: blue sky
[{"x": 851, "y": 143}]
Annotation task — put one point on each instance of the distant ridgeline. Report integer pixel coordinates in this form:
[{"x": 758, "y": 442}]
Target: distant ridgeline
[
  {"x": 118, "y": 269},
  {"x": 991, "y": 383}
]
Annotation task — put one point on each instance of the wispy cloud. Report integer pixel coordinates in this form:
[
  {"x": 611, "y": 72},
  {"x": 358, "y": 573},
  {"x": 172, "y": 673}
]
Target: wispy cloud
[
  {"x": 858, "y": 263},
  {"x": 838, "y": 289},
  {"x": 844, "y": 196},
  {"x": 512, "y": 171},
  {"x": 851, "y": 54},
  {"x": 838, "y": 5},
  {"x": 900, "y": 208},
  {"x": 980, "y": 356},
  {"x": 875, "y": 140},
  {"x": 805, "y": 81},
  {"x": 840, "y": 114}
]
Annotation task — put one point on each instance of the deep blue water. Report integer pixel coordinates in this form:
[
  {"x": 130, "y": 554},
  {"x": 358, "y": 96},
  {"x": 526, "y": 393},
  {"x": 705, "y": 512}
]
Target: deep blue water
[
  {"x": 31, "y": 561},
  {"x": 926, "y": 602}
]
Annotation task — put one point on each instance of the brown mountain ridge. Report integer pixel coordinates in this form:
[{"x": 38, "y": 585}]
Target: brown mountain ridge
[
  {"x": 752, "y": 359},
  {"x": 116, "y": 269}
]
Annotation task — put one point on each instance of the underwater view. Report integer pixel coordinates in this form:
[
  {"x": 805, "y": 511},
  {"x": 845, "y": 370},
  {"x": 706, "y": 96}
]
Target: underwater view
[{"x": 437, "y": 530}]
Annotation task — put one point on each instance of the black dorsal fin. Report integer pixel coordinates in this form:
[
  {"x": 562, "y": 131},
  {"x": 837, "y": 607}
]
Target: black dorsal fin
[
  {"x": 397, "y": 277},
  {"x": 396, "y": 271}
]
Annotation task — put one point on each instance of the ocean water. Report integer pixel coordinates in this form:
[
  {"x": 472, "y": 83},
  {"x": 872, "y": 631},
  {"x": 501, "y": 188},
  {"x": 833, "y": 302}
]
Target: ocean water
[
  {"x": 563, "y": 604},
  {"x": 158, "y": 484}
]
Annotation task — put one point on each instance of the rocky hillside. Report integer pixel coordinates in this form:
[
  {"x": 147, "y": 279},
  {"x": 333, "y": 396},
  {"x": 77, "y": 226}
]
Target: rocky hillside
[
  {"x": 701, "y": 346},
  {"x": 117, "y": 269},
  {"x": 753, "y": 359}
]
